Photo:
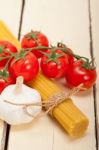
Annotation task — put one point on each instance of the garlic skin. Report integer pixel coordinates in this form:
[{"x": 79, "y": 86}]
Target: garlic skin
[{"x": 19, "y": 93}]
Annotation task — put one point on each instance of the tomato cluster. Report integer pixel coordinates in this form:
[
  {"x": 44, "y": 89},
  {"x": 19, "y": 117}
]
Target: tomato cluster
[{"x": 55, "y": 62}]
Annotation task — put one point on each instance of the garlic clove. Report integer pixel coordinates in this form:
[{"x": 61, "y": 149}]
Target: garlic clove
[{"x": 19, "y": 94}]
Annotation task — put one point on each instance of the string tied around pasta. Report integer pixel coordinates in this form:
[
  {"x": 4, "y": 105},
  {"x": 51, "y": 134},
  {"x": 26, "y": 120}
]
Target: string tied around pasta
[{"x": 50, "y": 103}]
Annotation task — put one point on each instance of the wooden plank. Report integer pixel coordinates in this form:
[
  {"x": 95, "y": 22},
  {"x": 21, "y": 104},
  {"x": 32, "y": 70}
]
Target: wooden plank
[
  {"x": 10, "y": 14},
  {"x": 95, "y": 41},
  {"x": 67, "y": 21}
]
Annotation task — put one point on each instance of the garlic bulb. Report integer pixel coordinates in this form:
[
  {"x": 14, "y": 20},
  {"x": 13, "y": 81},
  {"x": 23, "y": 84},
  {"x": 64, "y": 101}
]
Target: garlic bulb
[{"x": 13, "y": 102}]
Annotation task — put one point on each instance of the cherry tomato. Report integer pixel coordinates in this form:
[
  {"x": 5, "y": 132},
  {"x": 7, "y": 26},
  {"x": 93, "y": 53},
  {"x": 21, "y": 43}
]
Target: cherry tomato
[
  {"x": 78, "y": 74},
  {"x": 34, "y": 39},
  {"x": 27, "y": 67},
  {"x": 54, "y": 64},
  {"x": 5, "y": 80},
  {"x": 5, "y": 47}
]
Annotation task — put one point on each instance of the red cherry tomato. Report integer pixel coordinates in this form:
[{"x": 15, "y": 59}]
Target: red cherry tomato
[
  {"x": 5, "y": 81},
  {"x": 55, "y": 64},
  {"x": 5, "y": 47},
  {"x": 34, "y": 39},
  {"x": 78, "y": 74},
  {"x": 27, "y": 67}
]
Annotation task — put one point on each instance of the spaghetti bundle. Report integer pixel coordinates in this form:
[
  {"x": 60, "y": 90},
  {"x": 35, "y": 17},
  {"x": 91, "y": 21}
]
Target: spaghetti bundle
[{"x": 66, "y": 113}]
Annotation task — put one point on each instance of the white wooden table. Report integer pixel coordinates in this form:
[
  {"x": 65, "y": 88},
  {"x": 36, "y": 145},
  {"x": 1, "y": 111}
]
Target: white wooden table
[{"x": 76, "y": 22}]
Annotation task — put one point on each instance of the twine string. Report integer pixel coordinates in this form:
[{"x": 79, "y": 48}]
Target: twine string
[{"x": 51, "y": 102}]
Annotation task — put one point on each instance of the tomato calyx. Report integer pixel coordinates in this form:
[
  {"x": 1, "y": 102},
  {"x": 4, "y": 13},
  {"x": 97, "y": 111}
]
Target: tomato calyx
[
  {"x": 53, "y": 56},
  {"x": 86, "y": 63},
  {"x": 33, "y": 35},
  {"x": 89, "y": 65}
]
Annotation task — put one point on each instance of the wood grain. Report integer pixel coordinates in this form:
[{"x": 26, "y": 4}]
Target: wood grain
[
  {"x": 66, "y": 21},
  {"x": 10, "y": 14},
  {"x": 95, "y": 39}
]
